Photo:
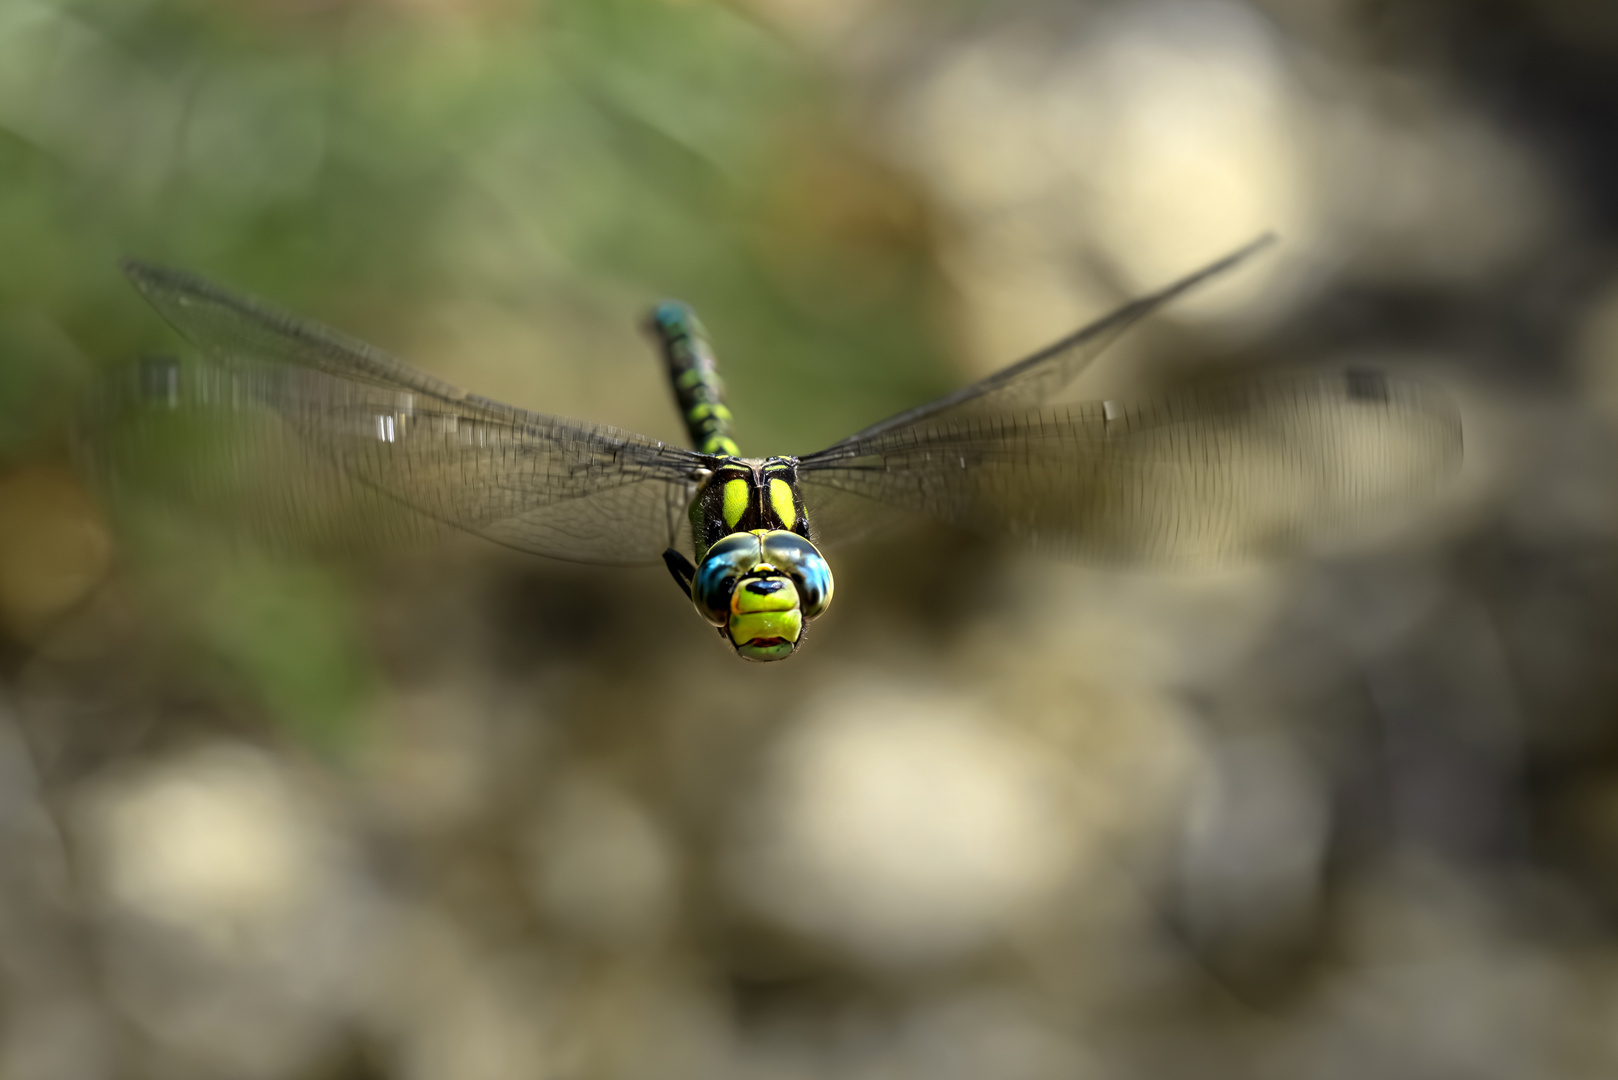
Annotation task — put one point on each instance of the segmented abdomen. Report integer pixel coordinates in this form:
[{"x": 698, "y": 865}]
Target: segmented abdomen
[{"x": 697, "y": 388}]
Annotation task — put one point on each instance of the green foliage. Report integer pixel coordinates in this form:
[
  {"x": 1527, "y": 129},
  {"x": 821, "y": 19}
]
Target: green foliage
[{"x": 290, "y": 633}]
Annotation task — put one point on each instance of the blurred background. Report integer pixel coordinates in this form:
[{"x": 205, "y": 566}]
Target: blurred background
[{"x": 463, "y": 813}]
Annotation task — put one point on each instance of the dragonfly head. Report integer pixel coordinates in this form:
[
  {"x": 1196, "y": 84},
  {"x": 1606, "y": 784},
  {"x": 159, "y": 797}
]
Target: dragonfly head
[{"x": 760, "y": 589}]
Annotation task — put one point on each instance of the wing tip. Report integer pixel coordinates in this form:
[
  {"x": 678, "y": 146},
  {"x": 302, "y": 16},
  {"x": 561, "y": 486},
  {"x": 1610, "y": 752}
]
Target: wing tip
[
  {"x": 1267, "y": 238},
  {"x": 138, "y": 271},
  {"x": 149, "y": 278}
]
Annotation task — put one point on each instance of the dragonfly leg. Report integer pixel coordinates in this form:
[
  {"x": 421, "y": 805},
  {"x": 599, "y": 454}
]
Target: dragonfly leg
[{"x": 681, "y": 568}]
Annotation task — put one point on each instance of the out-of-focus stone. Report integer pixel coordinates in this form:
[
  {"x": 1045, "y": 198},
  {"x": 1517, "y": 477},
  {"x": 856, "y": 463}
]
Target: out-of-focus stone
[
  {"x": 1021, "y": 295},
  {"x": 1419, "y": 187},
  {"x": 1597, "y": 351},
  {"x": 51, "y": 1026},
  {"x": 1131, "y": 629},
  {"x": 447, "y": 1003},
  {"x": 235, "y": 925},
  {"x": 901, "y": 824},
  {"x": 1183, "y": 125},
  {"x": 599, "y": 866},
  {"x": 219, "y": 844},
  {"x": 1254, "y": 842},
  {"x": 65, "y": 1039},
  {"x": 1144, "y": 140},
  {"x": 487, "y": 1025},
  {"x": 1156, "y": 139},
  {"x": 982, "y": 1034},
  {"x": 428, "y": 760},
  {"x": 1433, "y": 983}
]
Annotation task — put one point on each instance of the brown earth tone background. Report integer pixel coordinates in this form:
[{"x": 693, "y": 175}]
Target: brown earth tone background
[{"x": 466, "y": 814}]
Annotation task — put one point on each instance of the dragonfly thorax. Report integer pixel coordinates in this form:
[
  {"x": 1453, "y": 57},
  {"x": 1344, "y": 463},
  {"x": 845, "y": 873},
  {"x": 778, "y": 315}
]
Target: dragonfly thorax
[{"x": 745, "y": 494}]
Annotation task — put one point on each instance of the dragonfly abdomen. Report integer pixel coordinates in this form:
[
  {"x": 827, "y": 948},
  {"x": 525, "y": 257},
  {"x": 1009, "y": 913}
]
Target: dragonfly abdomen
[{"x": 692, "y": 372}]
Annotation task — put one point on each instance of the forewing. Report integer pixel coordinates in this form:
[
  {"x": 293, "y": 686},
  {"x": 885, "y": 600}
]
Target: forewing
[
  {"x": 388, "y": 437},
  {"x": 1032, "y": 381},
  {"x": 1210, "y": 475}
]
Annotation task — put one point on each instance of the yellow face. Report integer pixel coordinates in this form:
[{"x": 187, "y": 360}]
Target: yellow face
[{"x": 765, "y": 619}]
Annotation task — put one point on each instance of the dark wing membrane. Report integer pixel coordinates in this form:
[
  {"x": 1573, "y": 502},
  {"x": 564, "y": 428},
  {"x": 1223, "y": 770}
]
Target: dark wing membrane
[
  {"x": 1227, "y": 471},
  {"x": 1032, "y": 381},
  {"x": 400, "y": 443}
]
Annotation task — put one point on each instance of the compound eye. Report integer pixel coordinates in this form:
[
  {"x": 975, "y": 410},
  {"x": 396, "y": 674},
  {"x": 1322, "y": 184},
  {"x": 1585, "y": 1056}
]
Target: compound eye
[
  {"x": 802, "y": 562},
  {"x": 721, "y": 568}
]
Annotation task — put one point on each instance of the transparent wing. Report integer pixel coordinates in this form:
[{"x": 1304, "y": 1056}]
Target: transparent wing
[
  {"x": 1210, "y": 475},
  {"x": 390, "y": 437},
  {"x": 1034, "y": 380},
  {"x": 184, "y": 441}
]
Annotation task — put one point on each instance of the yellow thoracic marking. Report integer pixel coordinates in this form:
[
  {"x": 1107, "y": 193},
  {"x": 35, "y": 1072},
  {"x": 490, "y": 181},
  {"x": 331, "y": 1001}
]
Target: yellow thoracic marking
[
  {"x": 735, "y": 502},
  {"x": 781, "y": 500}
]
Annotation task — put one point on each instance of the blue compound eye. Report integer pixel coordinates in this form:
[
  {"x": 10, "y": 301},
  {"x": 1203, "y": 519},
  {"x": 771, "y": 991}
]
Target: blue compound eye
[
  {"x": 798, "y": 559},
  {"x": 721, "y": 568}
]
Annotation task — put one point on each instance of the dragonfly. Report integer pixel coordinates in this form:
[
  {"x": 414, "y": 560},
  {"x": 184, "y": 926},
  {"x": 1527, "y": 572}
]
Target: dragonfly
[{"x": 1220, "y": 471}]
